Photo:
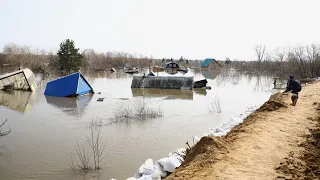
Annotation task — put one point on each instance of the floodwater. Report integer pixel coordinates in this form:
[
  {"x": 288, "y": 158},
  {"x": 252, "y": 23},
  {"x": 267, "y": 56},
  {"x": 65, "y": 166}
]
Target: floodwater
[{"x": 45, "y": 129}]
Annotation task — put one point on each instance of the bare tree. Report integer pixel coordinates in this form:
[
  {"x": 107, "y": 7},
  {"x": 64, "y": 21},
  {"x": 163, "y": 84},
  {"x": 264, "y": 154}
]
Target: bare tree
[
  {"x": 280, "y": 54},
  {"x": 123, "y": 114},
  {"x": 214, "y": 104},
  {"x": 297, "y": 56},
  {"x": 84, "y": 156},
  {"x": 13, "y": 54},
  {"x": 25, "y": 56},
  {"x": 96, "y": 144},
  {"x": 143, "y": 112},
  {"x": 260, "y": 52},
  {"x": 89, "y": 153},
  {"x": 313, "y": 52}
]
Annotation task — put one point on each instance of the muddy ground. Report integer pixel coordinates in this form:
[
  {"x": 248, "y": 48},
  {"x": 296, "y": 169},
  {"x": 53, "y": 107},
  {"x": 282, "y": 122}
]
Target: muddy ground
[
  {"x": 278, "y": 141},
  {"x": 306, "y": 164}
]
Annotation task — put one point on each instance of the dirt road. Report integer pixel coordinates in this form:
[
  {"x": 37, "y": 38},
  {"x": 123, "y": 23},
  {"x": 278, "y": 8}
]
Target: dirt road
[{"x": 278, "y": 141}]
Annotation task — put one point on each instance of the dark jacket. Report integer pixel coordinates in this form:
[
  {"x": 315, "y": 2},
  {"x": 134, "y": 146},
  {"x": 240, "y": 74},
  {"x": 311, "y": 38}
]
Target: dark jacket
[{"x": 294, "y": 86}]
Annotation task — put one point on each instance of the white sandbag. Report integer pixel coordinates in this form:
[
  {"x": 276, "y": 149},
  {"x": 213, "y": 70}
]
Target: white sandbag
[
  {"x": 178, "y": 156},
  {"x": 169, "y": 163},
  {"x": 147, "y": 168},
  {"x": 159, "y": 169},
  {"x": 131, "y": 178},
  {"x": 217, "y": 130},
  {"x": 211, "y": 133},
  {"x": 196, "y": 139},
  {"x": 156, "y": 176},
  {"x": 145, "y": 177},
  {"x": 224, "y": 128}
]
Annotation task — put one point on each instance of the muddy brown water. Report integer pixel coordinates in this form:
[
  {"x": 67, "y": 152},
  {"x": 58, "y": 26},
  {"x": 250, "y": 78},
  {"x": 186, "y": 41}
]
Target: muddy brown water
[{"x": 45, "y": 129}]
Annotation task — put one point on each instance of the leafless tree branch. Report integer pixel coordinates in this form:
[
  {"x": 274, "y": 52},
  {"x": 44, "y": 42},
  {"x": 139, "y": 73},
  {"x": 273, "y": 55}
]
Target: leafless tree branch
[{"x": 5, "y": 132}]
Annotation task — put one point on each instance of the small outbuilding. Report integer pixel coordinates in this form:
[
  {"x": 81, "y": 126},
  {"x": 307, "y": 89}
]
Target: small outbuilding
[{"x": 210, "y": 64}]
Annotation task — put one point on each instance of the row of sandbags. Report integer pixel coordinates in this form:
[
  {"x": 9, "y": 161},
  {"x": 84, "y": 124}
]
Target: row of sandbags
[
  {"x": 151, "y": 170},
  {"x": 223, "y": 129}
]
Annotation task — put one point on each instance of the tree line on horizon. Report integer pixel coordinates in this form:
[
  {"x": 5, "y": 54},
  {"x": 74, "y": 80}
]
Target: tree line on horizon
[
  {"x": 69, "y": 58},
  {"x": 301, "y": 61}
]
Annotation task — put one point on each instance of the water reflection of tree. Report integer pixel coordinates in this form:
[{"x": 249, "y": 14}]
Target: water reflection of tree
[
  {"x": 228, "y": 76},
  {"x": 262, "y": 84},
  {"x": 249, "y": 77}
]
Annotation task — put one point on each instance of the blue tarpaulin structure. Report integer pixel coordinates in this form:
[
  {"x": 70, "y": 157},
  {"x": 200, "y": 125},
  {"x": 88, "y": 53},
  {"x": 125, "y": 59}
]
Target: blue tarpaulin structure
[{"x": 71, "y": 85}]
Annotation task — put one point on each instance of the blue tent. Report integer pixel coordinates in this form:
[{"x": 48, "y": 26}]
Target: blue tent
[{"x": 72, "y": 85}]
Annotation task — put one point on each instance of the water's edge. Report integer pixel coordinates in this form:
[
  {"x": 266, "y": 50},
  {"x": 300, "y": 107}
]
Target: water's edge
[{"x": 163, "y": 167}]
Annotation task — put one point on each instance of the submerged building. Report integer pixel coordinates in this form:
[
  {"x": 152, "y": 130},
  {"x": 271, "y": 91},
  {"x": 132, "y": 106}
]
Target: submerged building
[
  {"x": 210, "y": 64},
  {"x": 18, "y": 80},
  {"x": 69, "y": 86}
]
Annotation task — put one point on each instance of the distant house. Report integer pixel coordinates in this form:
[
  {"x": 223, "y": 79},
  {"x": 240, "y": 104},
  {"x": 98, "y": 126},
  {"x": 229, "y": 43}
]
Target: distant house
[
  {"x": 210, "y": 64},
  {"x": 172, "y": 65}
]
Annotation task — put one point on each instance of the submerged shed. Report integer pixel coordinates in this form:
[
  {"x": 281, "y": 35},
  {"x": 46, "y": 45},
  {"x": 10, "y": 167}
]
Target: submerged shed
[
  {"x": 69, "y": 86},
  {"x": 18, "y": 80},
  {"x": 210, "y": 64}
]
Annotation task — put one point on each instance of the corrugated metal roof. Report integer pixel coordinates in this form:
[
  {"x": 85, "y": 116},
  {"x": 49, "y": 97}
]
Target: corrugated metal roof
[{"x": 207, "y": 62}]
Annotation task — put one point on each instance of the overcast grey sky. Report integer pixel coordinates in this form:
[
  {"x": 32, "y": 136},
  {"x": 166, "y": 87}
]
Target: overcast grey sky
[{"x": 162, "y": 28}]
